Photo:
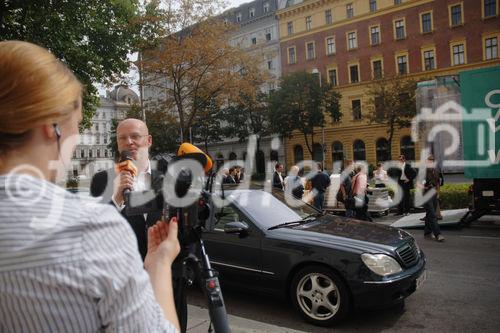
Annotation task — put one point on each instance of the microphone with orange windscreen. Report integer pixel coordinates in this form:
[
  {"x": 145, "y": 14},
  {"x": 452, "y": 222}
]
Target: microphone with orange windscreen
[
  {"x": 126, "y": 163},
  {"x": 187, "y": 150}
]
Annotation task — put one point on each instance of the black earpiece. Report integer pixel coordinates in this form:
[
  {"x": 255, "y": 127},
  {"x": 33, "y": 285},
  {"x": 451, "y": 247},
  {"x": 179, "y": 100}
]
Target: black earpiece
[{"x": 57, "y": 130}]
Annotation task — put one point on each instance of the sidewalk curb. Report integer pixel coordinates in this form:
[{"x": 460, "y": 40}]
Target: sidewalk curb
[{"x": 198, "y": 321}]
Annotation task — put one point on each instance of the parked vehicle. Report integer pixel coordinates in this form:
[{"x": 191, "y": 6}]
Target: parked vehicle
[{"x": 324, "y": 264}]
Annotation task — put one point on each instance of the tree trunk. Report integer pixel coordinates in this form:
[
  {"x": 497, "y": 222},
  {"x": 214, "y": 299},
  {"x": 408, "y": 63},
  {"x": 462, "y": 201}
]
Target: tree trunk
[
  {"x": 391, "y": 135},
  {"x": 307, "y": 143}
]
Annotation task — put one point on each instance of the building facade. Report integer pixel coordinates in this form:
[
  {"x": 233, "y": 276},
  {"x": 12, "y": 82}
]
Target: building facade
[
  {"x": 257, "y": 34},
  {"x": 353, "y": 42},
  {"x": 92, "y": 153}
]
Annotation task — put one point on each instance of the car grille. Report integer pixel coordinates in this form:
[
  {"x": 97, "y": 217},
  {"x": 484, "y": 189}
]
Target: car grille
[{"x": 408, "y": 254}]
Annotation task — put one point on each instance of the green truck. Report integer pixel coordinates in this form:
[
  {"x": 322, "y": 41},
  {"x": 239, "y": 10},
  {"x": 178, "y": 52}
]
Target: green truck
[
  {"x": 480, "y": 97},
  {"x": 458, "y": 121}
]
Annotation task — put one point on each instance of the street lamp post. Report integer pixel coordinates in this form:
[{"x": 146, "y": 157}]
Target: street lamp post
[{"x": 323, "y": 150}]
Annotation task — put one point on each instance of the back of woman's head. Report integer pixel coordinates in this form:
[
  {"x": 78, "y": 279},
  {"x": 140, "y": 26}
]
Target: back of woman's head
[{"x": 35, "y": 89}]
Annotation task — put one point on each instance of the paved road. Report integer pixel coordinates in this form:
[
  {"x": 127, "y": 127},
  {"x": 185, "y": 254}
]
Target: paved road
[{"x": 461, "y": 293}]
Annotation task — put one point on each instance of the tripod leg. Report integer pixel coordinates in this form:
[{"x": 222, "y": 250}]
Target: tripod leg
[{"x": 179, "y": 284}]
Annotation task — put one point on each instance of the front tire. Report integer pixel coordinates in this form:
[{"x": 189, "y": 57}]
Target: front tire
[{"x": 320, "y": 295}]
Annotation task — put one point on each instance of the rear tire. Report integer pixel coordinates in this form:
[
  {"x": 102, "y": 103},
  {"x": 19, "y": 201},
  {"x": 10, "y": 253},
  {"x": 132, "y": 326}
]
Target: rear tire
[{"x": 320, "y": 295}]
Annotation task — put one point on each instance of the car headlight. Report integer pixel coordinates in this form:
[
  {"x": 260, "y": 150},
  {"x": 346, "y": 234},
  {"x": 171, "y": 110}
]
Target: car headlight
[{"x": 381, "y": 264}]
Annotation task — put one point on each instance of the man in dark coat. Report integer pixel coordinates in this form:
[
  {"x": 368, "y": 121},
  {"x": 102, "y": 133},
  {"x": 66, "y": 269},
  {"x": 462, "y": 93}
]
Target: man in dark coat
[
  {"x": 405, "y": 176},
  {"x": 132, "y": 135},
  {"x": 278, "y": 176},
  {"x": 320, "y": 182}
]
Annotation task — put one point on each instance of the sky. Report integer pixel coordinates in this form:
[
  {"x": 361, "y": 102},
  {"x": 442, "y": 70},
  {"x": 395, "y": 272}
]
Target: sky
[{"x": 236, "y": 3}]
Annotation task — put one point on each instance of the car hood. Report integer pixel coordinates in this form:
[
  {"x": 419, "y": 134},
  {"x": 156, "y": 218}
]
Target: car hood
[{"x": 330, "y": 229}]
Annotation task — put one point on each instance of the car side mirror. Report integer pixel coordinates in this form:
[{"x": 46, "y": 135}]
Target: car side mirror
[{"x": 236, "y": 228}]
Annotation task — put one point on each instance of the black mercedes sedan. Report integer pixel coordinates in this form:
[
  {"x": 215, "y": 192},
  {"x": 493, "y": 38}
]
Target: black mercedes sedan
[{"x": 324, "y": 264}]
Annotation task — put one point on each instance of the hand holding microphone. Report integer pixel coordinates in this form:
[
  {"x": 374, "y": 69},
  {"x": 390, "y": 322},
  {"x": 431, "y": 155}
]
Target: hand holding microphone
[{"x": 126, "y": 171}]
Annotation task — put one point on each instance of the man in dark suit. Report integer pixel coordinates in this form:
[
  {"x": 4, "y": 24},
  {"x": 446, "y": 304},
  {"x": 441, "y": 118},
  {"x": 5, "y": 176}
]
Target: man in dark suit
[
  {"x": 278, "y": 176},
  {"x": 405, "y": 176},
  {"x": 131, "y": 135},
  {"x": 320, "y": 182}
]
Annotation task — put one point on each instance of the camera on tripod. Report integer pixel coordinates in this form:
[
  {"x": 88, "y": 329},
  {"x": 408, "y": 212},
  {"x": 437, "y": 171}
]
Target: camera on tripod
[{"x": 185, "y": 191}]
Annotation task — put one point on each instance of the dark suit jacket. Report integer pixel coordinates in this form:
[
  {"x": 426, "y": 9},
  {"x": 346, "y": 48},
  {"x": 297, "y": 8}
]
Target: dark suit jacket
[
  {"x": 410, "y": 173},
  {"x": 277, "y": 181},
  {"x": 102, "y": 185}
]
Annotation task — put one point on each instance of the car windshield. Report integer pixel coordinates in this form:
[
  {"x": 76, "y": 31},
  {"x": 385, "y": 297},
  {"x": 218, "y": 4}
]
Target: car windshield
[{"x": 269, "y": 209}]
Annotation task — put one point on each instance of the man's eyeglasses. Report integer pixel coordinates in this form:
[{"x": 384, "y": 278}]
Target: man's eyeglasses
[{"x": 134, "y": 137}]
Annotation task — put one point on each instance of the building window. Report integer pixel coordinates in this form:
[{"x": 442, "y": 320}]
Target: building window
[
  {"x": 289, "y": 27},
  {"x": 373, "y": 5},
  {"x": 298, "y": 154},
  {"x": 337, "y": 151},
  {"x": 402, "y": 64},
  {"x": 377, "y": 69},
  {"x": 399, "y": 27},
  {"x": 375, "y": 35},
  {"x": 358, "y": 149},
  {"x": 317, "y": 152},
  {"x": 268, "y": 34},
  {"x": 98, "y": 139},
  {"x": 356, "y": 109},
  {"x": 311, "y": 54},
  {"x": 429, "y": 61},
  {"x": 397, "y": 2},
  {"x": 332, "y": 76},
  {"x": 426, "y": 19},
  {"x": 490, "y": 8},
  {"x": 349, "y": 10},
  {"x": 407, "y": 148},
  {"x": 266, "y": 7},
  {"x": 328, "y": 16},
  {"x": 270, "y": 64},
  {"x": 82, "y": 153},
  {"x": 456, "y": 15},
  {"x": 238, "y": 17},
  {"x": 291, "y": 55},
  {"x": 382, "y": 149},
  {"x": 251, "y": 12},
  {"x": 105, "y": 153},
  {"x": 458, "y": 54},
  {"x": 254, "y": 40},
  {"x": 90, "y": 153},
  {"x": 308, "y": 23},
  {"x": 354, "y": 73},
  {"x": 352, "y": 40},
  {"x": 330, "y": 45},
  {"x": 491, "y": 48}
]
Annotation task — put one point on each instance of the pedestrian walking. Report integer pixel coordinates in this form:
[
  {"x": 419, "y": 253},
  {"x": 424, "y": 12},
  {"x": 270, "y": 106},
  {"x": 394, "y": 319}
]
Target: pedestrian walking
[
  {"x": 319, "y": 183},
  {"x": 359, "y": 185},
  {"x": 345, "y": 194},
  {"x": 431, "y": 182},
  {"x": 405, "y": 176},
  {"x": 380, "y": 176}
]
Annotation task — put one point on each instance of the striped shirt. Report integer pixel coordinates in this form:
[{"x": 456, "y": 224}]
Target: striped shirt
[{"x": 69, "y": 264}]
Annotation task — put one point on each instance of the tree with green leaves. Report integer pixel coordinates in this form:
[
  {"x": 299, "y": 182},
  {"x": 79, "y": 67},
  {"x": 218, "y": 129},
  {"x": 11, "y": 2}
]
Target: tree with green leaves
[
  {"x": 393, "y": 104},
  {"x": 92, "y": 37},
  {"x": 247, "y": 117},
  {"x": 300, "y": 104},
  {"x": 207, "y": 127},
  {"x": 190, "y": 63}
]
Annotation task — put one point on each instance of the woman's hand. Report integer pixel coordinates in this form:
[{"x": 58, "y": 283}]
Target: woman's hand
[{"x": 163, "y": 245}]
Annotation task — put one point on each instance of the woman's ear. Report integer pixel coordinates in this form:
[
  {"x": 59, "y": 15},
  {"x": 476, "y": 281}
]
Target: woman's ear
[{"x": 48, "y": 131}]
